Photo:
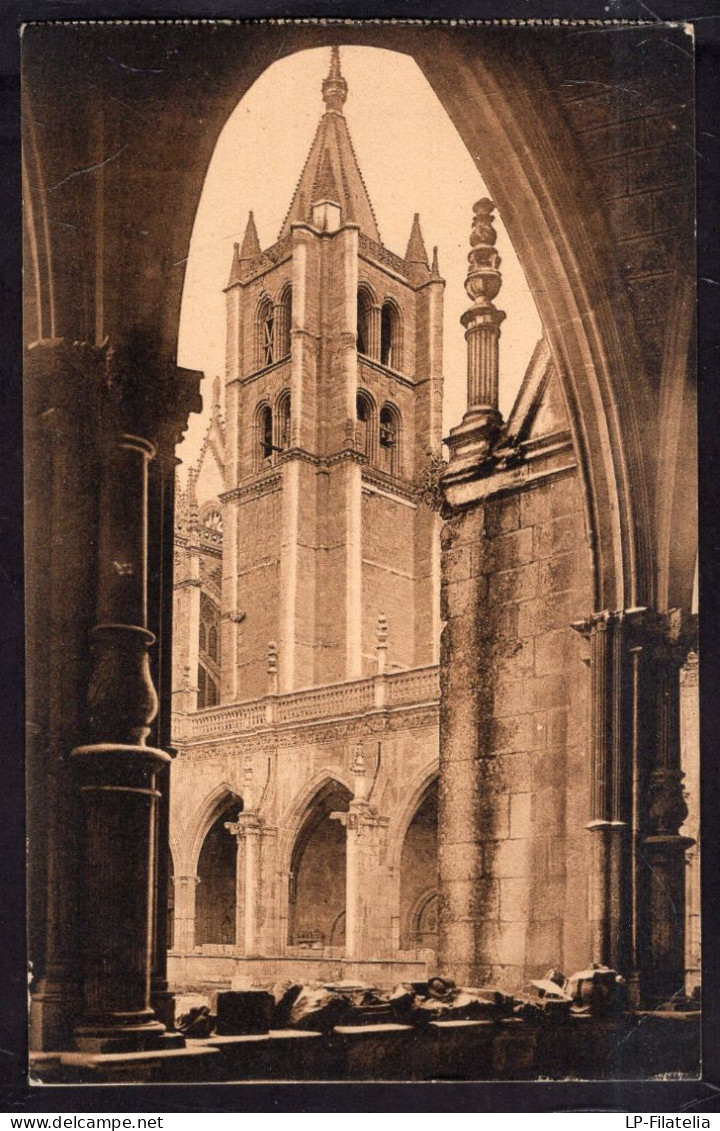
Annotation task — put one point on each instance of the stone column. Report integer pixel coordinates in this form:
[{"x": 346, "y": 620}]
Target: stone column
[
  {"x": 669, "y": 639},
  {"x": 62, "y": 446},
  {"x": 637, "y": 806},
  {"x": 161, "y": 547},
  {"x": 611, "y": 771},
  {"x": 374, "y": 332},
  {"x": 364, "y": 831},
  {"x": 471, "y": 442},
  {"x": 690, "y": 750},
  {"x": 118, "y": 773},
  {"x": 249, "y": 829},
  {"x": 185, "y": 892}
]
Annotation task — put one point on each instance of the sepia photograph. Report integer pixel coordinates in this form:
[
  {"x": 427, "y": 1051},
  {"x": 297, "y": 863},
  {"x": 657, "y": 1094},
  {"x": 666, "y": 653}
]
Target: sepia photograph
[{"x": 361, "y": 551}]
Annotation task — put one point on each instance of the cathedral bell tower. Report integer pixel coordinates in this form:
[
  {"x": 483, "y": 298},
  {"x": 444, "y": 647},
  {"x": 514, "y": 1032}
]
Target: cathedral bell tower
[{"x": 333, "y": 410}]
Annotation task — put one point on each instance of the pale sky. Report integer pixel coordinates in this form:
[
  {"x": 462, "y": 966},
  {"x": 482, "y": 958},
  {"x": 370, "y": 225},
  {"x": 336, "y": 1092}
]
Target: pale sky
[{"x": 412, "y": 160}]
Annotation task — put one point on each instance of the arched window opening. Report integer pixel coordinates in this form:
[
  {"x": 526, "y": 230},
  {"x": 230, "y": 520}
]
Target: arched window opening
[
  {"x": 264, "y": 430},
  {"x": 283, "y": 326},
  {"x": 390, "y": 439},
  {"x": 208, "y": 654},
  {"x": 365, "y": 412},
  {"x": 419, "y": 876},
  {"x": 364, "y": 303},
  {"x": 317, "y": 874},
  {"x": 283, "y": 421},
  {"x": 265, "y": 332},
  {"x": 390, "y": 336},
  {"x": 215, "y": 909}
]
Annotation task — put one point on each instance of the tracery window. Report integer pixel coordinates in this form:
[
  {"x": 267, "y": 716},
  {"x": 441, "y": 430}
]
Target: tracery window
[
  {"x": 212, "y": 519},
  {"x": 208, "y": 654}
]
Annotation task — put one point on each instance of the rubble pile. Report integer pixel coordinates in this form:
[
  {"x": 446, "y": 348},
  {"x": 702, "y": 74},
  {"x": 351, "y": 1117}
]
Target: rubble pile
[{"x": 320, "y": 1007}]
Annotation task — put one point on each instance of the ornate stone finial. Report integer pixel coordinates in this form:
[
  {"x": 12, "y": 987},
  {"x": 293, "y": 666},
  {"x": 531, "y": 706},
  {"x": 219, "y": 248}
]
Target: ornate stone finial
[
  {"x": 216, "y": 393},
  {"x": 381, "y": 645},
  {"x": 334, "y": 87},
  {"x": 472, "y": 441},
  {"x": 484, "y": 278},
  {"x": 435, "y": 269},
  {"x": 358, "y": 772},
  {"x": 248, "y": 770},
  {"x": 248, "y": 782},
  {"x": 272, "y": 658}
]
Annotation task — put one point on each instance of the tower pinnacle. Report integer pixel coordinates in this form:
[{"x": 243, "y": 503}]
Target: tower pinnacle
[
  {"x": 334, "y": 87},
  {"x": 416, "y": 255}
]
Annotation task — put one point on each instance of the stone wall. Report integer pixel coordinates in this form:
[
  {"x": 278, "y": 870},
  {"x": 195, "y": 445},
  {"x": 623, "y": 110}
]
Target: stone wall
[{"x": 514, "y": 795}]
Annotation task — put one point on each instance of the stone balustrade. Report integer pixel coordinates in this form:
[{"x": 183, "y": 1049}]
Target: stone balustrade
[{"x": 402, "y": 689}]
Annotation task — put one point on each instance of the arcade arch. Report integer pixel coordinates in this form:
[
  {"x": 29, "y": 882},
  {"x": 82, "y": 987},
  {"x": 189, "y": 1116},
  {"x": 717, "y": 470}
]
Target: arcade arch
[{"x": 317, "y": 872}]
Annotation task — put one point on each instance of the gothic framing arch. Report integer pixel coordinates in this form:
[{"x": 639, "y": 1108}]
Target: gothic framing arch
[
  {"x": 503, "y": 107},
  {"x": 501, "y": 104},
  {"x": 420, "y": 788},
  {"x": 297, "y": 812},
  {"x": 205, "y": 815}
]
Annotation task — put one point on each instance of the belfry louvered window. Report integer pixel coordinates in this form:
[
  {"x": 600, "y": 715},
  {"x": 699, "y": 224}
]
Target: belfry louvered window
[
  {"x": 265, "y": 334},
  {"x": 269, "y": 338}
]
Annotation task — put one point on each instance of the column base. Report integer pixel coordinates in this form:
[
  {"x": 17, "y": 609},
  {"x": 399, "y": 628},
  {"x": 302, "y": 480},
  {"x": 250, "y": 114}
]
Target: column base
[
  {"x": 130, "y": 1038},
  {"x": 472, "y": 444},
  {"x": 54, "y": 1009}
]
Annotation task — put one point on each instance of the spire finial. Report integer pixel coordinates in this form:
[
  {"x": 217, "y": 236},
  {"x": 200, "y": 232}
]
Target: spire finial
[
  {"x": 334, "y": 88},
  {"x": 416, "y": 255}
]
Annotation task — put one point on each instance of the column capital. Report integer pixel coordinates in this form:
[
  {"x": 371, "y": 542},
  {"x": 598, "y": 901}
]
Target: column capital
[
  {"x": 669, "y": 636},
  {"x": 248, "y": 823},
  {"x": 131, "y": 383}
]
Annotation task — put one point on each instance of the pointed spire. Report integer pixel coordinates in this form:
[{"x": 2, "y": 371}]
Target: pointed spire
[
  {"x": 331, "y": 169},
  {"x": 251, "y": 244},
  {"x": 325, "y": 187},
  {"x": 435, "y": 269},
  {"x": 235, "y": 272},
  {"x": 416, "y": 255},
  {"x": 334, "y": 87}
]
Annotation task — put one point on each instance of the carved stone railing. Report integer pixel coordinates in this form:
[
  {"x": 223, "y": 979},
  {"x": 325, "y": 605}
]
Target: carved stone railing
[
  {"x": 419, "y": 685},
  {"x": 271, "y": 256},
  {"x": 381, "y": 254},
  {"x": 322, "y": 702}
]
